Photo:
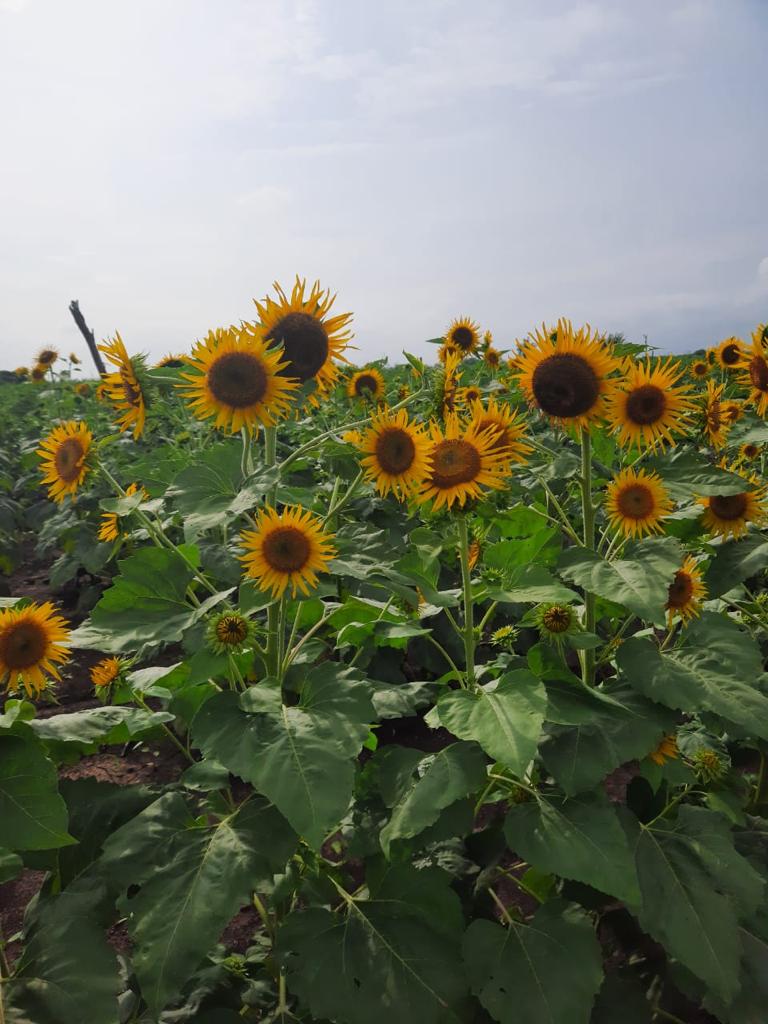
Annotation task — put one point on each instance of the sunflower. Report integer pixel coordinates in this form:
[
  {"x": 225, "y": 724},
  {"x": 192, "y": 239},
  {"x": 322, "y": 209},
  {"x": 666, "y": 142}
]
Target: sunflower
[
  {"x": 715, "y": 423},
  {"x": 33, "y": 640},
  {"x": 110, "y": 522},
  {"x": 83, "y": 389},
  {"x": 38, "y": 373},
  {"x": 446, "y": 350},
  {"x": 686, "y": 592},
  {"x": 287, "y": 549},
  {"x": 749, "y": 452},
  {"x": 64, "y": 456},
  {"x": 473, "y": 553},
  {"x": 508, "y": 428},
  {"x": 732, "y": 411},
  {"x": 728, "y": 515},
  {"x": 649, "y": 404},
  {"x": 238, "y": 380},
  {"x": 171, "y": 362},
  {"x": 492, "y": 357},
  {"x": 564, "y": 373},
  {"x": 229, "y": 632},
  {"x": 711, "y": 356},
  {"x": 106, "y": 672},
  {"x": 637, "y": 502},
  {"x": 397, "y": 456},
  {"x": 123, "y": 388},
  {"x": 310, "y": 338},
  {"x": 462, "y": 464},
  {"x": 468, "y": 395},
  {"x": 760, "y": 337},
  {"x": 463, "y": 334},
  {"x": 22, "y": 371},
  {"x": 47, "y": 357},
  {"x": 666, "y": 750},
  {"x": 556, "y": 621},
  {"x": 352, "y": 437},
  {"x": 368, "y": 384},
  {"x": 73, "y": 359},
  {"x": 699, "y": 369},
  {"x": 730, "y": 353},
  {"x": 754, "y": 376}
]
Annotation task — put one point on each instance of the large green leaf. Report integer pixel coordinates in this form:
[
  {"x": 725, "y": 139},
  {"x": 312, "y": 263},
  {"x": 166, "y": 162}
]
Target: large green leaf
[
  {"x": 687, "y": 474},
  {"x": 146, "y": 603},
  {"x": 714, "y": 670},
  {"x": 107, "y": 725},
  {"x": 622, "y": 998},
  {"x": 530, "y": 584},
  {"x": 504, "y": 717},
  {"x": 300, "y": 757},
  {"x": 68, "y": 972},
  {"x": 193, "y": 878},
  {"x": 749, "y": 1005},
  {"x": 580, "y": 755},
  {"x": 214, "y": 491},
  {"x": 398, "y": 954},
  {"x": 694, "y": 886},
  {"x": 640, "y": 581},
  {"x": 32, "y": 814},
  {"x": 734, "y": 562},
  {"x": 452, "y": 774},
  {"x": 547, "y": 972},
  {"x": 579, "y": 838}
]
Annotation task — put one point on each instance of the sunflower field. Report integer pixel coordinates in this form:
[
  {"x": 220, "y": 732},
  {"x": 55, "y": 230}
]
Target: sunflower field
[{"x": 339, "y": 693}]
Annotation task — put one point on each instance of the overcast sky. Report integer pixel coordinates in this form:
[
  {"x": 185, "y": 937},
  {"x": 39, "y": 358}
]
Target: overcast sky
[{"x": 164, "y": 161}]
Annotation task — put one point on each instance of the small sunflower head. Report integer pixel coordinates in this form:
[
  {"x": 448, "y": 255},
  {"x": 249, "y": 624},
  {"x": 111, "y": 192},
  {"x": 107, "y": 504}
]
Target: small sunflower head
[
  {"x": 665, "y": 751},
  {"x": 22, "y": 371},
  {"x": 504, "y": 637},
  {"x": 700, "y": 369},
  {"x": 107, "y": 673},
  {"x": 709, "y": 765},
  {"x": 556, "y": 621},
  {"x": 749, "y": 452},
  {"x": 83, "y": 389},
  {"x": 229, "y": 632},
  {"x": 38, "y": 373},
  {"x": 464, "y": 335},
  {"x": 403, "y": 392},
  {"x": 73, "y": 359},
  {"x": 47, "y": 356}
]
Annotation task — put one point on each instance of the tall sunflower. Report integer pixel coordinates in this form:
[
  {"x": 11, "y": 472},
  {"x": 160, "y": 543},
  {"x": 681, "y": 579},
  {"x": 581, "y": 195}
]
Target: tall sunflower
[
  {"x": 686, "y": 592},
  {"x": 730, "y": 353},
  {"x": 507, "y": 426},
  {"x": 38, "y": 373},
  {"x": 123, "y": 387},
  {"x": 287, "y": 549},
  {"x": 648, "y": 405},
  {"x": 637, "y": 502},
  {"x": 311, "y": 339},
  {"x": 463, "y": 462},
  {"x": 492, "y": 357},
  {"x": 463, "y": 334},
  {"x": 716, "y": 423},
  {"x": 397, "y": 456},
  {"x": 47, "y": 356},
  {"x": 237, "y": 379},
  {"x": 368, "y": 384},
  {"x": 64, "y": 455},
  {"x": 110, "y": 521},
  {"x": 33, "y": 641},
  {"x": 564, "y": 373},
  {"x": 729, "y": 515},
  {"x": 754, "y": 376}
]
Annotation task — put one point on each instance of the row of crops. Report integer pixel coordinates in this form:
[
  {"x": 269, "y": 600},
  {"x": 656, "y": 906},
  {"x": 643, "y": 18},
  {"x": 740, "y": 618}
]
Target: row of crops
[{"x": 460, "y": 669}]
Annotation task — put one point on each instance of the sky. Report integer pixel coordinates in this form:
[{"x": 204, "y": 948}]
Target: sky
[{"x": 164, "y": 161}]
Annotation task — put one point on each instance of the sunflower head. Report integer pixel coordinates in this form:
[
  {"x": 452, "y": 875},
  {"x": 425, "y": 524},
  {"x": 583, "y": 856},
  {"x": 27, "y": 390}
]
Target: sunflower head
[
  {"x": 65, "y": 459},
  {"x": 730, "y": 353},
  {"x": 504, "y": 637},
  {"x": 466, "y": 396},
  {"x": 492, "y": 357},
  {"x": 463, "y": 334},
  {"x": 507, "y": 426},
  {"x": 474, "y": 553},
  {"x": 708, "y": 765},
  {"x": 237, "y": 380},
  {"x": 686, "y": 593},
  {"x": 749, "y": 452},
  {"x": 47, "y": 357},
  {"x": 729, "y": 515},
  {"x": 665, "y": 751},
  {"x": 107, "y": 672},
  {"x": 447, "y": 350},
  {"x": 22, "y": 371},
  {"x": 229, "y": 632},
  {"x": 732, "y": 411},
  {"x": 110, "y": 521},
  {"x": 367, "y": 385},
  {"x": 123, "y": 387},
  {"x": 649, "y": 405},
  {"x": 33, "y": 642},
  {"x": 396, "y": 454},
  {"x": 463, "y": 462},
  {"x": 287, "y": 549},
  {"x": 556, "y": 621},
  {"x": 700, "y": 369},
  {"x": 716, "y": 425},
  {"x": 754, "y": 374},
  {"x": 403, "y": 392},
  {"x": 311, "y": 338},
  {"x": 565, "y": 373},
  {"x": 38, "y": 373},
  {"x": 171, "y": 362},
  {"x": 83, "y": 389},
  {"x": 711, "y": 356},
  {"x": 637, "y": 503}
]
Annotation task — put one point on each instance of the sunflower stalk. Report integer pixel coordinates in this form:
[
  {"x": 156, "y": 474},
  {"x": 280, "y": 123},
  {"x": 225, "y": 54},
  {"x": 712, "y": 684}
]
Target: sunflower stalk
[
  {"x": 588, "y": 517},
  {"x": 466, "y": 579},
  {"x": 272, "y": 656}
]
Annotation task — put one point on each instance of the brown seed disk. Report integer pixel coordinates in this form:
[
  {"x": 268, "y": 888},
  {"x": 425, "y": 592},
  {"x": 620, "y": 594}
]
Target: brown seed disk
[
  {"x": 68, "y": 459},
  {"x": 237, "y": 379},
  {"x": 454, "y": 462},
  {"x": 305, "y": 345},
  {"x": 728, "y": 506},
  {"x": 286, "y": 549},
  {"x": 395, "y": 450},
  {"x": 565, "y": 386}
]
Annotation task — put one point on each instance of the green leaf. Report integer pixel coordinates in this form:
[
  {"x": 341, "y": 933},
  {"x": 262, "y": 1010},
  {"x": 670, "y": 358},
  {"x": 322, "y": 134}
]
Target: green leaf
[
  {"x": 11, "y": 865},
  {"x": 749, "y": 1005},
  {"x": 581, "y": 755},
  {"x": 453, "y": 773},
  {"x": 639, "y": 582},
  {"x": 541, "y": 546},
  {"x": 504, "y": 717},
  {"x": 693, "y": 886},
  {"x": 146, "y": 603},
  {"x": 107, "y": 725},
  {"x": 396, "y": 955},
  {"x": 192, "y": 880},
  {"x": 734, "y": 562},
  {"x": 32, "y": 814},
  {"x": 213, "y": 491},
  {"x": 547, "y": 972},
  {"x": 531, "y": 584},
  {"x": 68, "y": 971},
  {"x": 715, "y": 670},
  {"x": 579, "y": 838},
  {"x": 300, "y": 757},
  {"x": 621, "y": 999},
  {"x": 686, "y": 474}
]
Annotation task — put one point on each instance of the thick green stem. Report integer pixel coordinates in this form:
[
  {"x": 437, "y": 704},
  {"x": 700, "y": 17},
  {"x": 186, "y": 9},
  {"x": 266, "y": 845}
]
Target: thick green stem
[
  {"x": 273, "y": 611},
  {"x": 466, "y": 579},
  {"x": 588, "y": 516}
]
